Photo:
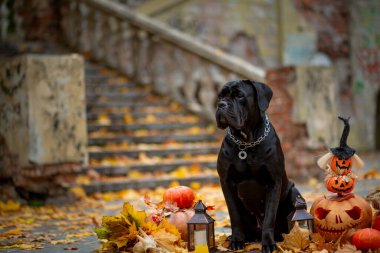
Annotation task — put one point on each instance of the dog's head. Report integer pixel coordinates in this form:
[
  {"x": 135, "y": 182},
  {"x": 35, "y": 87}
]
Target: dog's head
[{"x": 242, "y": 104}]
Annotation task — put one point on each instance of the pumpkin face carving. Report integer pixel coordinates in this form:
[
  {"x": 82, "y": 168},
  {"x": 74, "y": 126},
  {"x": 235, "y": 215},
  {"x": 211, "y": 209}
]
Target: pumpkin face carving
[
  {"x": 335, "y": 215},
  {"x": 341, "y": 166},
  {"x": 340, "y": 185}
]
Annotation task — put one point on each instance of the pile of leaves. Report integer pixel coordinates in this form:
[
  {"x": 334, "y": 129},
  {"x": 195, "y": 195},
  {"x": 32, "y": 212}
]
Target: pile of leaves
[
  {"x": 298, "y": 240},
  {"x": 122, "y": 232}
]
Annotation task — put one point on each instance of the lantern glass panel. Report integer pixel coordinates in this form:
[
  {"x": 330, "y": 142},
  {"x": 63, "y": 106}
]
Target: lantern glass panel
[
  {"x": 303, "y": 224},
  {"x": 200, "y": 234}
]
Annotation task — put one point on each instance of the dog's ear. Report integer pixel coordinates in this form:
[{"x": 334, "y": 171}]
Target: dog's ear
[{"x": 264, "y": 94}]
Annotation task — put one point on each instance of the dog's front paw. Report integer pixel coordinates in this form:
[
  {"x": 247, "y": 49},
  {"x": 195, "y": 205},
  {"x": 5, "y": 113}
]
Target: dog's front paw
[
  {"x": 237, "y": 241},
  {"x": 269, "y": 248}
]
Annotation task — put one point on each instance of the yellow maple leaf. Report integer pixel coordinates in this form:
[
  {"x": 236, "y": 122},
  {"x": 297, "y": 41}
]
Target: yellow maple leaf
[
  {"x": 128, "y": 118},
  {"x": 78, "y": 192},
  {"x": 150, "y": 118},
  {"x": 195, "y": 130},
  {"x": 195, "y": 185},
  {"x": 181, "y": 172},
  {"x": 166, "y": 240},
  {"x": 82, "y": 179},
  {"x": 169, "y": 228},
  {"x": 134, "y": 216},
  {"x": 173, "y": 184},
  {"x": 9, "y": 206},
  {"x": 134, "y": 174},
  {"x": 297, "y": 239},
  {"x": 103, "y": 119}
]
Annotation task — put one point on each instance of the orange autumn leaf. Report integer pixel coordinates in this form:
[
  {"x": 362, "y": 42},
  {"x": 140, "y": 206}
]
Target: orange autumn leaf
[
  {"x": 10, "y": 233},
  {"x": 297, "y": 239}
]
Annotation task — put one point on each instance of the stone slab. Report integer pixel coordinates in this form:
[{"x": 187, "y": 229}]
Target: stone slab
[{"x": 42, "y": 109}]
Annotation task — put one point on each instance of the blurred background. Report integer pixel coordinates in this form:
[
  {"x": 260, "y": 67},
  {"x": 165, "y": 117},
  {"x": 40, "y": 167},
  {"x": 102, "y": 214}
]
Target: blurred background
[{"x": 110, "y": 95}]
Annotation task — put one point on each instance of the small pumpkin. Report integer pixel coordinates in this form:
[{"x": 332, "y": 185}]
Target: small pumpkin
[
  {"x": 334, "y": 215},
  {"x": 183, "y": 196},
  {"x": 180, "y": 219},
  {"x": 340, "y": 184},
  {"x": 341, "y": 166},
  {"x": 367, "y": 238}
]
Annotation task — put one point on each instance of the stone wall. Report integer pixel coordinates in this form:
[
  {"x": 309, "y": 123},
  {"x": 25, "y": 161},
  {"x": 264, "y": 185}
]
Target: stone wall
[
  {"x": 363, "y": 103},
  {"x": 247, "y": 29},
  {"x": 29, "y": 20},
  {"x": 42, "y": 114},
  {"x": 301, "y": 118}
]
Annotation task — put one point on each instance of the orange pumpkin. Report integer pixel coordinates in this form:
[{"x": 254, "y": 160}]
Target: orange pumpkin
[
  {"x": 341, "y": 166},
  {"x": 365, "y": 239},
  {"x": 334, "y": 215},
  {"x": 339, "y": 184},
  {"x": 183, "y": 196}
]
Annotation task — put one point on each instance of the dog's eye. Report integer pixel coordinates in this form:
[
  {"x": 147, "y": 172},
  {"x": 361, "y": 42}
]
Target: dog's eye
[{"x": 239, "y": 95}]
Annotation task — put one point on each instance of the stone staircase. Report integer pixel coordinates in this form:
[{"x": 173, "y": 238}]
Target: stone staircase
[{"x": 141, "y": 140}]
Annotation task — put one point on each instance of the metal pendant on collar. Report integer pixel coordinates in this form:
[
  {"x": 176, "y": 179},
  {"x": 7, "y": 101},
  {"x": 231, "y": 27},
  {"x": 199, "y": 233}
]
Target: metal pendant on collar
[
  {"x": 242, "y": 154},
  {"x": 244, "y": 145}
]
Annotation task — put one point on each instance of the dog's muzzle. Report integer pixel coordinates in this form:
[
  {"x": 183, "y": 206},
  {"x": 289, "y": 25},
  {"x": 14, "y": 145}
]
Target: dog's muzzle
[{"x": 221, "y": 118}]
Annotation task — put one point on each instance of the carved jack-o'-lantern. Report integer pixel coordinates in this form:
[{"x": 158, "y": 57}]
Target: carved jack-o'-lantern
[
  {"x": 336, "y": 214},
  {"x": 341, "y": 166},
  {"x": 340, "y": 184}
]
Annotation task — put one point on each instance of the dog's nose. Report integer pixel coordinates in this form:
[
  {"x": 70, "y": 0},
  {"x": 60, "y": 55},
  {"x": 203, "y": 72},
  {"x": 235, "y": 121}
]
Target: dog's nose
[{"x": 222, "y": 104}]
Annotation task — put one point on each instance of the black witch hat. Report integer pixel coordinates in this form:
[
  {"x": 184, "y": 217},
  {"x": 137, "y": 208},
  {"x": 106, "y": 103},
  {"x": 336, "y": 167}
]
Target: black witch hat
[{"x": 344, "y": 151}]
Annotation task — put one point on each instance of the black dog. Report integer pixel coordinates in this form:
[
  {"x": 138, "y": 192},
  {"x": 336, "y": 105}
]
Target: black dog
[{"x": 258, "y": 193}]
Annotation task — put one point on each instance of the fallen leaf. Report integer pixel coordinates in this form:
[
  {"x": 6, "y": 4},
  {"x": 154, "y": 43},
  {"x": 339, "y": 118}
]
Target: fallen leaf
[
  {"x": 347, "y": 248},
  {"x": 104, "y": 120},
  {"x": 297, "y": 239},
  {"x": 62, "y": 241},
  {"x": 22, "y": 246},
  {"x": 321, "y": 251},
  {"x": 79, "y": 235},
  {"x": 71, "y": 248},
  {"x": 9, "y": 206},
  {"x": 372, "y": 173},
  {"x": 252, "y": 246},
  {"x": 10, "y": 233},
  {"x": 78, "y": 192}
]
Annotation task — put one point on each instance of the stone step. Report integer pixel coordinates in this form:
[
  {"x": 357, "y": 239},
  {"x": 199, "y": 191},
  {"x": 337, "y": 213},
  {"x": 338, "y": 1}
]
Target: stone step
[
  {"x": 150, "y": 183},
  {"x": 154, "y": 152},
  {"x": 116, "y": 95},
  {"x": 92, "y": 69},
  {"x": 144, "y": 126},
  {"x": 101, "y": 86},
  {"x": 152, "y": 139},
  {"x": 144, "y": 168},
  {"x": 96, "y": 79},
  {"x": 136, "y": 115},
  {"x": 132, "y": 104}
]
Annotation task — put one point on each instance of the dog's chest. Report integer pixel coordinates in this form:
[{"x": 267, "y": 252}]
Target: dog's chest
[{"x": 243, "y": 169}]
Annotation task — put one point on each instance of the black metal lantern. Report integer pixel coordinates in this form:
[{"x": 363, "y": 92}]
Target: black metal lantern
[
  {"x": 300, "y": 215},
  {"x": 200, "y": 229}
]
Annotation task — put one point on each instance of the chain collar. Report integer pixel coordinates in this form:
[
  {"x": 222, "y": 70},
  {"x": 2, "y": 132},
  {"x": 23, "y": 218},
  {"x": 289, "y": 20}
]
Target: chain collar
[{"x": 244, "y": 145}]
